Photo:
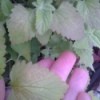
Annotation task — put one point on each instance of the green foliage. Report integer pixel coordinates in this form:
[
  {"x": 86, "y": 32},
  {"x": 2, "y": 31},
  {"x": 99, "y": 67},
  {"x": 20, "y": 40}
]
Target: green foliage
[
  {"x": 83, "y": 48},
  {"x": 85, "y": 52},
  {"x": 35, "y": 50},
  {"x": 44, "y": 13},
  {"x": 90, "y": 11},
  {"x": 44, "y": 39},
  {"x": 2, "y": 49},
  {"x": 31, "y": 81},
  {"x": 35, "y": 29},
  {"x": 23, "y": 49},
  {"x": 68, "y": 22},
  {"x": 20, "y": 25},
  {"x": 93, "y": 37},
  {"x": 13, "y": 54},
  {"x": 2, "y": 17},
  {"x": 56, "y": 46},
  {"x": 6, "y": 7}
]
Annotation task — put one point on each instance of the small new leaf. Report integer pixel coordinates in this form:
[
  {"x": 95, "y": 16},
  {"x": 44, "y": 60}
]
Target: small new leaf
[
  {"x": 33, "y": 82},
  {"x": 20, "y": 25},
  {"x": 68, "y": 22},
  {"x": 44, "y": 14},
  {"x": 2, "y": 49}
]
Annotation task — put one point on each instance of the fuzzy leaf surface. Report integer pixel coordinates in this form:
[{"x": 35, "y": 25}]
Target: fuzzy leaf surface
[
  {"x": 85, "y": 52},
  {"x": 44, "y": 39},
  {"x": 33, "y": 82},
  {"x": 94, "y": 37},
  {"x": 68, "y": 22},
  {"x": 23, "y": 49},
  {"x": 44, "y": 14},
  {"x": 20, "y": 25},
  {"x": 90, "y": 11}
]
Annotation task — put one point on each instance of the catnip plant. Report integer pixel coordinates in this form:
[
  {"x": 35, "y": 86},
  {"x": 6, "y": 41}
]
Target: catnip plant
[{"x": 34, "y": 29}]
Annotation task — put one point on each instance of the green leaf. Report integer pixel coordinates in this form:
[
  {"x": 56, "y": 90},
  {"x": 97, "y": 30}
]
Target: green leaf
[
  {"x": 13, "y": 53},
  {"x": 44, "y": 39},
  {"x": 2, "y": 49},
  {"x": 83, "y": 48},
  {"x": 35, "y": 50},
  {"x": 57, "y": 3},
  {"x": 23, "y": 49},
  {"x": 68, "y": 22},
  {"x": 44, "y": 15},
  {"x": 94, "y": 37},
  {"x": 46, "y": 52},
  {"x": 56, "y": 46},
  {"x": 33, "y": 82},
  {"x": 90, "y": 11},
  {"x": 6, "y": 7},
  {"x": 2, "y": 17},
  {"x": 85, "y": 52},
  {"x": 20, "y": 25},
  {"x": 45, "y": 1}
]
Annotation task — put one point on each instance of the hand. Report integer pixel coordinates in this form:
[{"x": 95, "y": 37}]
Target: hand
[
  {"x": 79, "y": 79},
  {"x": 62, "y": 67}
]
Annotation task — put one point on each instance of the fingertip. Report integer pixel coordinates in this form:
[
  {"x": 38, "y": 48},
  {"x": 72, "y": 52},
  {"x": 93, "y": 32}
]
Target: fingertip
[
  {"x": 77, "y": 83},
  {"x": 63, "y": 65},
  {"x": 71, "y": 94},
  {"x": 83, "y": 96},
  {"x": 79, "y": 79}
]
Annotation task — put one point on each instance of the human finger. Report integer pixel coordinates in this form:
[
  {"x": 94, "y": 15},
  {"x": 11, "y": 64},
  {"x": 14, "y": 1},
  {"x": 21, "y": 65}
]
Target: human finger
[
  {"x": 64, "y": 64},
  {"x": 83, "y": 96},
  {"x": 47, "y": 62},
  {"x": 77, "y": 83}
]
